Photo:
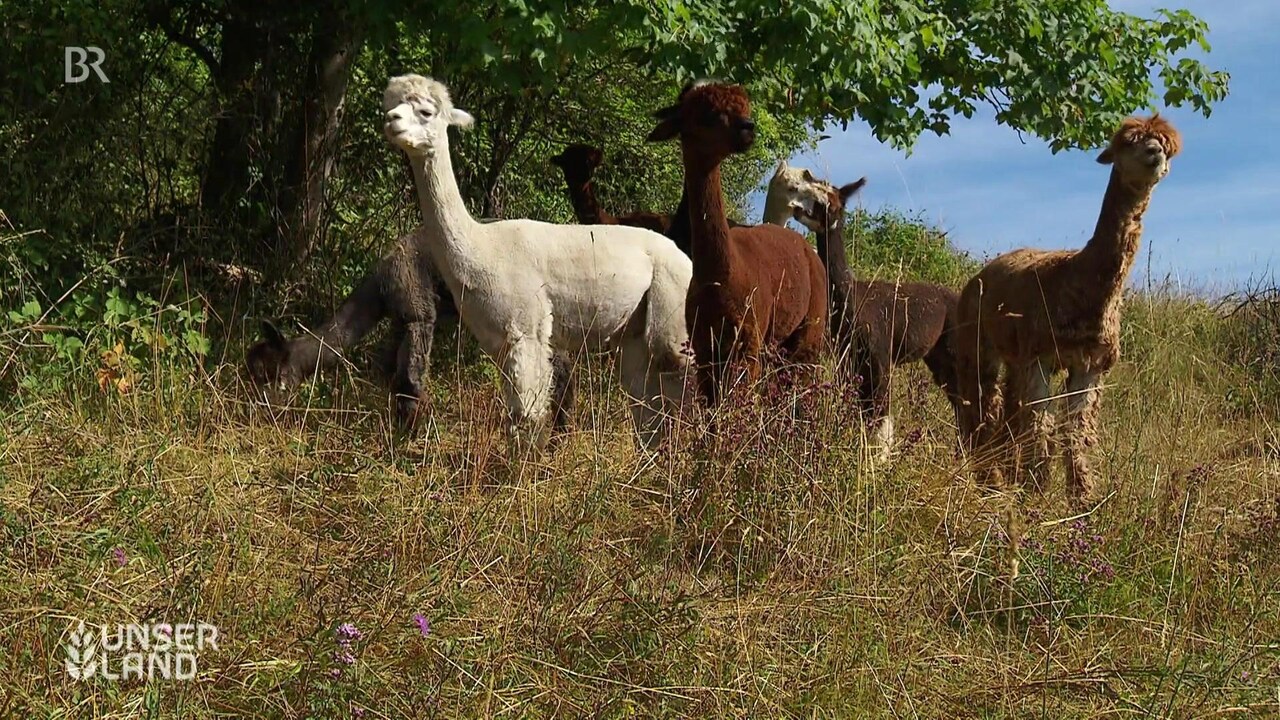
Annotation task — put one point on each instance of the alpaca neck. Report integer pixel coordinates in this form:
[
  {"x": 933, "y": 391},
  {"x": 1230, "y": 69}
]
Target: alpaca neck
[
  {"x": 1110, "y": 252},
  {"x": 708, "y": 229},
  {"x": 585, "y": 204},
  {"x": 449, "y": 226},
  {"x": 834, "y": 255},
  {"x": 776, "y": 211},
  {"x": 679, "y": 232}
]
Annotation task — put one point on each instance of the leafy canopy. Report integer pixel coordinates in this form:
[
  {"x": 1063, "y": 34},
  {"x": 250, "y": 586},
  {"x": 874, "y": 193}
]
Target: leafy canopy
[{"x": 1064, "y": 70}]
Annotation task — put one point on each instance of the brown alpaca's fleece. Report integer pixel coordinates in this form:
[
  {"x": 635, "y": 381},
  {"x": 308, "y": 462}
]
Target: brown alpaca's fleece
[
  {"x": 876, "y": 325},
  {"x": 579, "y": 163},
  {"x": 754, "y": 289},
  {"x": 1038, "y": 312}
]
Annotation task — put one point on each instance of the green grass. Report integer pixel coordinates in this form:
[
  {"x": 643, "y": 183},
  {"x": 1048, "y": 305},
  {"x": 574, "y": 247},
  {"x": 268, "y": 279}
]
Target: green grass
[{"x": 774, "y": 575}]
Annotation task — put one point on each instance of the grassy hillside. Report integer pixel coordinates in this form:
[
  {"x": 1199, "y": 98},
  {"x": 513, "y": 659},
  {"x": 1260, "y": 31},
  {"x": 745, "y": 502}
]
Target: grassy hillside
[{"x": 773, "y": 573}]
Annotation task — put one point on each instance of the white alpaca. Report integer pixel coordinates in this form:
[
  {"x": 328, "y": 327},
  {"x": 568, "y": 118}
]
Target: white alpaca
[
  {"x": 793, "y": 188},
  {"x": 526, "y": 288}
]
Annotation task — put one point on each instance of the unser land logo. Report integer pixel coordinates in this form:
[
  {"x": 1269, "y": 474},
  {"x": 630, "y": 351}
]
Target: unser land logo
[{"x": 138, "y": 651}]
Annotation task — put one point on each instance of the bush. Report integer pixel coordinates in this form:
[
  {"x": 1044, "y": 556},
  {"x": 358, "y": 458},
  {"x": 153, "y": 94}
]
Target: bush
[{"x": 887, "y": 244}]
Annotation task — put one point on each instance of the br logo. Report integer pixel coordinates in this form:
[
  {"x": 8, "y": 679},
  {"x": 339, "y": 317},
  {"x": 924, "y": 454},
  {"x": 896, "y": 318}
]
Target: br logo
[{"x": 78, "y": 65}]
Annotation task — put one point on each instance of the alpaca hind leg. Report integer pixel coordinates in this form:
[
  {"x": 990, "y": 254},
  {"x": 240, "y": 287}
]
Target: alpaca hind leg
[
  {"x": 412, "y": 361},
  {"x": 527, "y": 375},
  {"x": 646, "y": 400},
  {"x": 1080, "y": 426}
]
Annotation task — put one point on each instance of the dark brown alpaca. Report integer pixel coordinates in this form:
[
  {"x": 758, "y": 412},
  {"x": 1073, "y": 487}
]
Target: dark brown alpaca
[
  {"x": 754, "y": 288},
  {"x": 877, "y": 325},
  {"x": 579, "y": 163},
  {"x": 404, "y": 287}
]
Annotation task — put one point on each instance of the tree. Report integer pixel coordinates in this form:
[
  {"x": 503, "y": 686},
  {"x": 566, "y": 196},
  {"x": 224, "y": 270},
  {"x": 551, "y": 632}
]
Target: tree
[
  {"x": 252, "y": 93},
  {"x": 1065, "y": 70}
]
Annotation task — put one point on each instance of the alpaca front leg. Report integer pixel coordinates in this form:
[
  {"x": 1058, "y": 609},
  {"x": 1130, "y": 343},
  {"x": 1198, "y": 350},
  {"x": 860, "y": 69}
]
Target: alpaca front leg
[
  {"x": 1081, "y": 428},
  {"x": 412, "y": 360},
  {"x": 1027, "y": 411},
  {"x": 977, "y": 377},
  {"x": 877, "y": 373},
  {"x": 528, "y": 379},
  {"x": 565, "y": 390}
]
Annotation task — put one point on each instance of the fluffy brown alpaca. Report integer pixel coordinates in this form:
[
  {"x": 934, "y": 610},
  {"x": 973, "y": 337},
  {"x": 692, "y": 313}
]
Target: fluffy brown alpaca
[
  {"x": 753, "y": 288},
  {"x": 1038, "y": 312},
  {"x": 877, "y": 325},
  {"x": 579, "y": 163}
]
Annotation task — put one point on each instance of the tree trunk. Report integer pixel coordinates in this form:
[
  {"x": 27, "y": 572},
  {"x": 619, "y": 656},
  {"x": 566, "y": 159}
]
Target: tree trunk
[
  {"x": 314, "y": 141},
  {"x": 226, "y": 177}
]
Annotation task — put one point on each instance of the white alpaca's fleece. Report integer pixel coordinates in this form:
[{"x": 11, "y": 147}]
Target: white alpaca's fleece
[{"x": 526, "y": 288}]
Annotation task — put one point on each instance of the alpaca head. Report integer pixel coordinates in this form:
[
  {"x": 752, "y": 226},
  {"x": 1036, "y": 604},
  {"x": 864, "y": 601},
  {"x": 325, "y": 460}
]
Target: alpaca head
[
  {"x": 578, "y": 161},
  {"x": 269, "y": 363},
  {"x": 419, "y": 113},
  {"x": 713, "y": 118},
  {"x": 824, "y": 215},
  {"x": 798, "y": 188},
  {"x": 1142, "y": 148}
]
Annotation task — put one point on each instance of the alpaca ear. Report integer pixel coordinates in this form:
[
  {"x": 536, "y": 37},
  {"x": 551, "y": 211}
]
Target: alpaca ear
[
  {"x": 595, "y": 156},
  {"x": 461, "y": 118},
  {"x": 782, "y": 167},
  {"x": 1107, "y": 157},
  {"x": 558, "y": 159},
  {"x": 272, "y": 334},
  {"x": 808, "y": 176},
  {"x": 847, "y": 191},
  {"x": 666, "y": 130}
]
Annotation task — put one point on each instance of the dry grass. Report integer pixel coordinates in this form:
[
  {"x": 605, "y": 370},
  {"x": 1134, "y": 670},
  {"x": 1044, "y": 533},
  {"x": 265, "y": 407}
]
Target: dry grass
[{"x": 772, "y": 575}]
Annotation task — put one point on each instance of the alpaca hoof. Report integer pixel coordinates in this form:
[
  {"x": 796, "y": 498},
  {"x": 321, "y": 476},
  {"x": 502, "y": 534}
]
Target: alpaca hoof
[{"x": 409, "y": 412}]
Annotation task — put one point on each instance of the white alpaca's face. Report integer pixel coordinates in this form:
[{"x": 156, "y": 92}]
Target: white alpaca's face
[
  {"x": 800, "y": 189},
  {"x": 416, "y": 123}
]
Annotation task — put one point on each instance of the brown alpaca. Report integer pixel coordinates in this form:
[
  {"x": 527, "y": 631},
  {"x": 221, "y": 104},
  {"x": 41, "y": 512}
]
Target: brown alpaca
[
  {"x": 579, "y": 163},
  {"x": 876, "y": 325},
  {"x": 753, "y": 288},
  {"x": 1038, "y": 312}
]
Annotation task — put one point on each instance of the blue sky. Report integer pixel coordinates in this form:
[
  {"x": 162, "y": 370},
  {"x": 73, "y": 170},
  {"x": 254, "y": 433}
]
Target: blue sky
[{"x": 1212, "y": 225}]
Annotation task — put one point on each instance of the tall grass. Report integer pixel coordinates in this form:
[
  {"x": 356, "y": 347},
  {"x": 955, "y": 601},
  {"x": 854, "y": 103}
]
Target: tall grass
[{"x": 771, "y": 572}]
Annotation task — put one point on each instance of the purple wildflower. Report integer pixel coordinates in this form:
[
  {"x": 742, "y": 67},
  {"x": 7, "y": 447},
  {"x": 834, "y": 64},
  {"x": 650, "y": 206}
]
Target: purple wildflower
[
  {"x": 121, "y": 558},
  {"x": 348, "y": 632},
  {"x": 335, "y": 672},
  {"x": 357, "y": 711},
  {"x": 344, "y": 656},
  {"x": 424, "y": 625}
]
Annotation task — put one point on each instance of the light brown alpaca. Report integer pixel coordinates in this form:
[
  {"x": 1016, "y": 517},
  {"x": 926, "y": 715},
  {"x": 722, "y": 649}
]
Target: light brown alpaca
[{"x": 1038, "y": 312}]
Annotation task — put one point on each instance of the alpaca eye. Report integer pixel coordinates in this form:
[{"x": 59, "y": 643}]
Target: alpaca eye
[{"x": 424, "y": 113}]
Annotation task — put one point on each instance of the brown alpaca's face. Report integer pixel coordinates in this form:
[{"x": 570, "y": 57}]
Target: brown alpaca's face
[
  {"x": 714, "y": 118},
  {"x": 1143, "y": 161},
  {"x": 578, "y": 161},
  {"x": 1142, "y": 149}
]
